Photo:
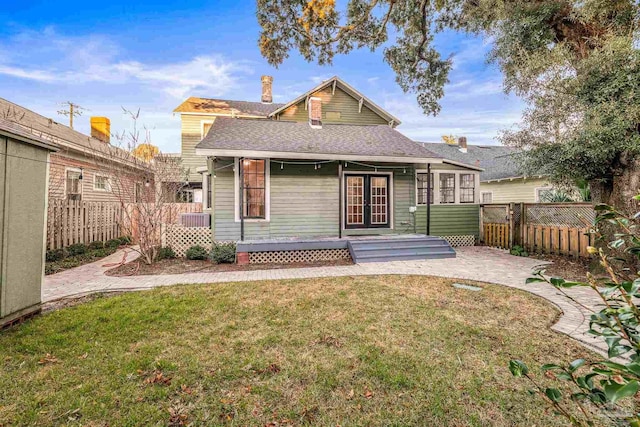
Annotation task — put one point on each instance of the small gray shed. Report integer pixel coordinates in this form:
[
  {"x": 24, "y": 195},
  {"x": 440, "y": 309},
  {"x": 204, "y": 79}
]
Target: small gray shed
[{"x": 24, "y": 170}]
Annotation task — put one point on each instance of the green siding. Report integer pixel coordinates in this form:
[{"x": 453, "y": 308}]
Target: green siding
[
  {"x": 450, "y": 220},
  {"x": 339, "y": 102},
  {"x": 23, "y": 192},
  {"x": 304, "y": 203}
]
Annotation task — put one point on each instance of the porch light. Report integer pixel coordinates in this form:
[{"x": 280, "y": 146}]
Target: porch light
[
  {"x": 80, "y": 176},
  {"x": 147, "y": 183}
]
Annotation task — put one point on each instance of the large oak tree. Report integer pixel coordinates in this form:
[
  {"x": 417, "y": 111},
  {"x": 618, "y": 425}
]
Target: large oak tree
[{"x": 575, "y": 62}]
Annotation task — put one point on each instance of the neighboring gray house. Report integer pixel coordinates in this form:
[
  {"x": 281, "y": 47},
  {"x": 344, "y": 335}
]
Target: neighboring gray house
[
  {"x": 501, "y": 181},
  {"x": 24, "y": 170}
]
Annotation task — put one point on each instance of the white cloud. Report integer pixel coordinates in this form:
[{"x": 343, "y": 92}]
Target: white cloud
[{"x": 57, "y": 59}]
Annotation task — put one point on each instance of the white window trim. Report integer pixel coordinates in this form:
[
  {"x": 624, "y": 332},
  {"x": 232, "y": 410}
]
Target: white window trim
[
  {"x": 436, "y": 186},
  {"x": 535, "y": 191},
  {"x": 267, "y": 190},
  {"x": 202, "y": 123},
  {"x": 486, "y": 192},
  {"x": 105, "y": 190},
  {"x": 391, "y": 205},
  {"x": 67, "y": 169}
]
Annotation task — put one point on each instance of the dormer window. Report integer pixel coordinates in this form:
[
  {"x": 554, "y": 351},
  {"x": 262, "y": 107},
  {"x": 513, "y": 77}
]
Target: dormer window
[{"x": 315, "y": 112}]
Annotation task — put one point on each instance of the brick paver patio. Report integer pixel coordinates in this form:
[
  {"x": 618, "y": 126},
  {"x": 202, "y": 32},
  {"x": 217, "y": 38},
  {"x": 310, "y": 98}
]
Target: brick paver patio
[{"x": 472, "y": 263}]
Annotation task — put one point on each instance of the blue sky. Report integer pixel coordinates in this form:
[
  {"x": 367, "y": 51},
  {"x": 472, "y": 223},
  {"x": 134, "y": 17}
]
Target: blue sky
[{"x": 152, "y": 55}]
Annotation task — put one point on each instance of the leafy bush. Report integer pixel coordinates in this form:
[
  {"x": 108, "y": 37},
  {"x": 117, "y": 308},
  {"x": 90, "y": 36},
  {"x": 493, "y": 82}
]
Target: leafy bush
[
  {"x": 54, "y": 255},
  {"x": 125, "y": 240},
  {"x": 591, "y": 392},
  {"x": 223, "y": 253},
  {"x": 96, "y": 245},
  {"x": 166, "y": 252},
  {"x": 113, "y": 243},
  {"x": 519, "y": 251},
  {"x": 77, "y": 249},
  {"x": 196, "y": 252}
]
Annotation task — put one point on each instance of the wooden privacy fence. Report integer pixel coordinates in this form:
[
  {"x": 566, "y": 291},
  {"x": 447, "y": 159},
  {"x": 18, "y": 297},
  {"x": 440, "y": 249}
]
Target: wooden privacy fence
[
  {"x": 74, "y": 221},
  {"x": 553, "y": 228}
]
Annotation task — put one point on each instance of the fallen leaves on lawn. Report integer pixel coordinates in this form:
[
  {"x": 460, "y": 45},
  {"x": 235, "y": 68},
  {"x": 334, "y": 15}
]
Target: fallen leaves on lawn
[
  {"x": 368, "y": 394},
  {"x": 157, "y": 377},
  {"x": 178, "y": 414},
  {"x": 48, "y": 358},
  {"x": 84, "y": 356},
  {"x": 351, "y": 394},
  {"x": 329, "y": 341}
]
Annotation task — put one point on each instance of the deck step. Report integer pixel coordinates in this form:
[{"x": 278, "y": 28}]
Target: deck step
[{"x": 400, "y": 249}]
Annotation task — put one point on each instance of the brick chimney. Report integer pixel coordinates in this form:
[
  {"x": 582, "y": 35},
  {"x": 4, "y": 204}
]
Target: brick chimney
[
  {"x": 101, "y": 129},
  {"x": 315, "y": 112},
  {"x": 267, "y": 96},
  {"x": 462, "y": 144}
]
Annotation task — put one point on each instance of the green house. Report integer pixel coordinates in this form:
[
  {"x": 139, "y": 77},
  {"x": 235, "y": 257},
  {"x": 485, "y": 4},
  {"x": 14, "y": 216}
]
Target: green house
[{"x": 328, "y": 166}]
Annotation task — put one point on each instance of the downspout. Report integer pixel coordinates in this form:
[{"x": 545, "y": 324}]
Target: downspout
[
  {"x": 241, "y": 173},
  {"x": 340, "y": 195},
  {"x": 429, "y": 195}
]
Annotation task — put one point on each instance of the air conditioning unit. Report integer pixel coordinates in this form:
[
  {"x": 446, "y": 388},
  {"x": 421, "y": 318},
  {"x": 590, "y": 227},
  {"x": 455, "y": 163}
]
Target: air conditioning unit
[{"x": 195, "y": 220}]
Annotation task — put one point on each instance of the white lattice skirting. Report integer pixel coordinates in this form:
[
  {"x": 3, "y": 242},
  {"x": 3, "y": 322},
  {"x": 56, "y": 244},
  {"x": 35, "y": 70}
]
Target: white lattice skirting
[
  {"x": 181, "y": 238},
  {"x": 457, "y": 241},
  {"x": 287, "y": 257}
]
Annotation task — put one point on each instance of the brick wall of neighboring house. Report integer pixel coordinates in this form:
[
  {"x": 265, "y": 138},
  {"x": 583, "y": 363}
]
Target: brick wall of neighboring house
[{"x": 121, "y": 184}]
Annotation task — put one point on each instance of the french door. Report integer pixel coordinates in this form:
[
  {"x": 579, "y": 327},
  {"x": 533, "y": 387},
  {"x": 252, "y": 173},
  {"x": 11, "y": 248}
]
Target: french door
[{"x": 367, "y": 201}]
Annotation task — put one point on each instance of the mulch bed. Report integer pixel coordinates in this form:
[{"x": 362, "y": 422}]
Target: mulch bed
[
  {"x": 181, "y": 265},
  {"x": 569, "y": 268}
]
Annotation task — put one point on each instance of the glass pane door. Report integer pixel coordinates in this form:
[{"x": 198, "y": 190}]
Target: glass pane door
[
  {"x": 379, "y": 201},
  {"x": 355, "y": 200}
]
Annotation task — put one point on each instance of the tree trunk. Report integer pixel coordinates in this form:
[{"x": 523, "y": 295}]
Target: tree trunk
[{"x": 620, "y": 190}]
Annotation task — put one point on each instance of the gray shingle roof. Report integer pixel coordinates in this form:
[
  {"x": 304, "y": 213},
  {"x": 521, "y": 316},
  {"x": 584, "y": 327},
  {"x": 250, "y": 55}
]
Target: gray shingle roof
[
  {"x": 62, "y": 135},
  {"x": 496, "y": 160},
  {"x": 226, "y": 106},
  {"x": 299, "y": 137},
  {"x": 12, "y": 128}
]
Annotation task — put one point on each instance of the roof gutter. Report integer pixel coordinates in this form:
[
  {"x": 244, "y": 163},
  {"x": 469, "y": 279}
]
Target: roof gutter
[{"x": 313, "y": 156}]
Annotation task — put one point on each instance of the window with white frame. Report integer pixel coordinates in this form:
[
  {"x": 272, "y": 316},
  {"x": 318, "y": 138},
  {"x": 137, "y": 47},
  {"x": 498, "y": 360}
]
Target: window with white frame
[
  {"x": 467, "y": 188},
  {"x": 486, "y": 197},
  {"x": 447, "y": 187},
  {"x": 254, "y": 188},
  {"x": 74, "y": 184},
  {"x": 424, "y": 189},
  {"x": 101, "y": 183}
]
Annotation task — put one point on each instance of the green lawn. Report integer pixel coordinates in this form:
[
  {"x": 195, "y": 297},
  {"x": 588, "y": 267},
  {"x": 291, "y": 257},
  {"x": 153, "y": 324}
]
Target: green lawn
[{"x": 346, "y": 351}]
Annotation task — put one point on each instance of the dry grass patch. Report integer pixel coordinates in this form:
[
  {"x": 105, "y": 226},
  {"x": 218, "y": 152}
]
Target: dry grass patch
[{"x": 389, "y": 350}]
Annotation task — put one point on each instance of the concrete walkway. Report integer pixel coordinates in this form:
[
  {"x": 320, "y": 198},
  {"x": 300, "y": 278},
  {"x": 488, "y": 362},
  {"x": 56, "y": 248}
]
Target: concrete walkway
[{"x": 472, "y": 263}]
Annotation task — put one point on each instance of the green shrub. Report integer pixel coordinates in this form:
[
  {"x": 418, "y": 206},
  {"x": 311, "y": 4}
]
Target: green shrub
[
  {"x": 196, "y": 252},
  {"x": 96, "y": 245},
  {"x": 101, "y": 253},
  {"x": 591, "y": 390},
  {"x": 223, "y": 253},
  {"x": 113, "y": 243},
  {"x": 125, "y": 240},
  {"x": 166, "y": 252},
  {"x": 77, "y": 249},
  {"x": 519, "y": 251},
  {"x": 55, "y": 255}
]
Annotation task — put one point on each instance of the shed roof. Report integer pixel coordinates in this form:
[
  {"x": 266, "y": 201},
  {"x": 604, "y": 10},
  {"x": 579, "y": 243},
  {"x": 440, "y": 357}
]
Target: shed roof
[
  {"x": 378, "y": 142},
  {"x": 16, "y": 131}
]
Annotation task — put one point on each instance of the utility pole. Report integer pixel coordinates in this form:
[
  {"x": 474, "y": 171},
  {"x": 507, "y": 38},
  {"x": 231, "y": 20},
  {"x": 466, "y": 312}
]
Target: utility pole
[{"x": 71, "y": 110}]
